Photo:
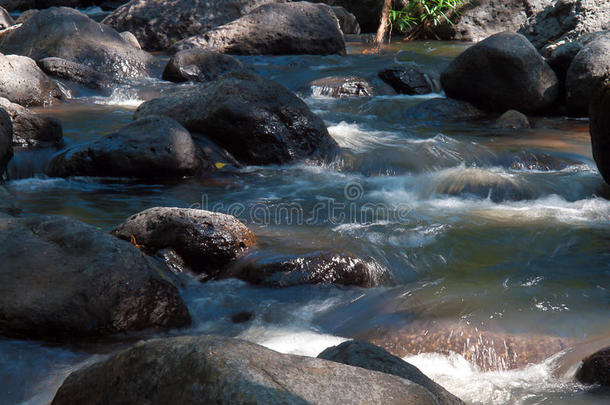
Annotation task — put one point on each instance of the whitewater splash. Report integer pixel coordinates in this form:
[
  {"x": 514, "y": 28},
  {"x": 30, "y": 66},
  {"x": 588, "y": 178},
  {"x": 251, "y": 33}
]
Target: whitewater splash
[{"x": 120, "y": 96}]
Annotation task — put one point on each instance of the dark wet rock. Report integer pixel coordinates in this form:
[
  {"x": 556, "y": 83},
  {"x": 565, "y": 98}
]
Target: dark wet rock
[
  {"x": 31, "y": 129},
  {"x": 6, "y": 140},
  {"x": 275, "y": 29},
  {"x": 566, "y": 21},
  {"x": 367, "y": 12},
  {"x": 599, "y": 123},
  {"x": 595, "y": 369},
  {"x": 69, "y": 34},
  {"x": 488, "y": 349},
  {"x": 74, "y": 72},
  {"x": 23, "y": 82},
  {"x": 63, "y": 279},
  {"x": 443, "y": 109},
  {"x": 409, "y": 80},
  {"x": 206, "y": 241},
  {"x": 199, "y": 65},
  {"x": 7, "y": 202},
  {"x": 482, "y": 184},
  {"x": 365, "y": 355},
  {"x": 341, "y": 86},
  {"x": 5, "y": 19},
  {"x": 526, "y": 160},
  {"x": 257, "y": 120},
  {"x": 131, "y": 39},
  {"x": 219, "y": 370},
  {"x": 153, "y": 147},
  {"x": 589, "y": 67},
  {"x": 512, "y": 119},
  {"x": 26, "y": 15},
  {"x": 242, "y": 317},
  {"x": 480, "y": 19},
  {"x": 347, "y": 21},
  {"x": 159, "y": 24},
  {"x": 325, "y": 268},
  {"x": 503, "y": 72}
]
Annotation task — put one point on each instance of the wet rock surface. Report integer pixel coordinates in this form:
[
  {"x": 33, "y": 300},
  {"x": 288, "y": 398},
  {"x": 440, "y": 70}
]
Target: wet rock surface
[
  {"x": 31, "y": 129},
  {"x": 153, "y": 147},
  {"x": 502, "y": 72},
  {"x": 365, "y": 355},
  {"x": 207, "y": 242},
  {"x": 257, "y": 120},
  {"x": 81, "y": 282},
  {"x": 341, "y": 86},
  {"x": 75, "y": 72},
  {"x": 275, "y": 29},
  {"x": 207, "y": 369},
  {"x": 512, "y": 119},
  {"x": 599, "y": 118},
  {"x": 69, "y": 34},
  {"x": 410, "y": 81},
  {"x": 324, "y": 268},
  {"x": 199, "y": 65},
  {"x": 6, "y": 140},
  {"x": 595, "y": 369}
]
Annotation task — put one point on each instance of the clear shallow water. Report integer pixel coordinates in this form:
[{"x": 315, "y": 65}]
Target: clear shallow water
[{"x": 503, "y": 231}]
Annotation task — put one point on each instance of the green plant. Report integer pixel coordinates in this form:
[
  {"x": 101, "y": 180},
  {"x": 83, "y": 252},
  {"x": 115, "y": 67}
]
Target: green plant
[{"x": 418, "y": 16}]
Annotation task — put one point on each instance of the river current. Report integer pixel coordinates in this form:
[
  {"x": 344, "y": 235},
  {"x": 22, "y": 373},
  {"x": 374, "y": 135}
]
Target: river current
[{"x": 499, "y": 231}]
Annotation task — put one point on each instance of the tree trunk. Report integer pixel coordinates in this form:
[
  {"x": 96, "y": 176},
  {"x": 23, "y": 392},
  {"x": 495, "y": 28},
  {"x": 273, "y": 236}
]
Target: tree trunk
[{"x": 383, "y": 25}]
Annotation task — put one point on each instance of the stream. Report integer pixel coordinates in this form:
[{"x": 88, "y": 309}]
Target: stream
[{"x": 526, "y": 254}]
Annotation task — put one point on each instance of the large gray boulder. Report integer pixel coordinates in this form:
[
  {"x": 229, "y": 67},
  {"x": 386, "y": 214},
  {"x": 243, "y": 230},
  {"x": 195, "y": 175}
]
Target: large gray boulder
[
  {"x": 207, "y": 242},
  {"x": 347, "y": 21},
  {"x": 599, "y": 127},
  {"x": 63, "y": 279},
  {"x": 479, "y": 19},
  {"x": 589, "y": 67},
  {"x": 6, "y": 140},
  {"x": 275, "y": 29},
  {"x": 71, "y": 35},
  {"x": 218, "y": 370},
  {"x": 199, "y": 65},
  {"x": 153, "y": 147},
  {"x": 31, "y": 129},
  {"x": 363, "y": 354},
  {"x": 257, "y": 120},
  {"x": 158, "y": 24},
  {"x": 566, "y": 21},
  {"x": 321, "y": 268},
  {"x": 503, "y": 72},
  {"x": 74, "y": 72},
  {"x": 22, "y": 82}
]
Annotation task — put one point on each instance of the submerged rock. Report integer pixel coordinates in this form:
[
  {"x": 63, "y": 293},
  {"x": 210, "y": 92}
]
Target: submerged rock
[
  {"x": 503, "y": 72},
  {"x": 347, "y": 21},
  {"x": 481, "y": 183},
  {"x": 23, "y": 82},
  {"x": 257, "y": 120},
  {"x": 69, "y": 34},
  {"x": 153, "y": 147},
  {"x": 365, "y": 355},
  {"x": 409, "y": 81},
  {"x": 275, "y": 29},
  {"x": 326, "y": 268},
  {"x": 443, "y": 109},
  {"x": 63, "y": 279},
  {"x": 30, "y": 129},
  {"x": 74, "y": 72},
  {"x": 206, "y": 241},
  {"x": 6, "y": 140},
  {"x": 599, "y": 124},
  {"x": 341, "y": 86},
  {"x": 199, "y": 65},
  {"x": 595, "y": 369},
  {"x": 589, "y": 67},
  {"x": 512, "y": 119},
  {"x": 218, "y": 370},
  {"x": 159, "y": 24}
]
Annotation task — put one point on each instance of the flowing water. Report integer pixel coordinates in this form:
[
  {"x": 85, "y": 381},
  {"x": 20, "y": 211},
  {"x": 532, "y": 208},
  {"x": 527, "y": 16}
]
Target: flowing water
[{"x": 484, "y": 232}]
